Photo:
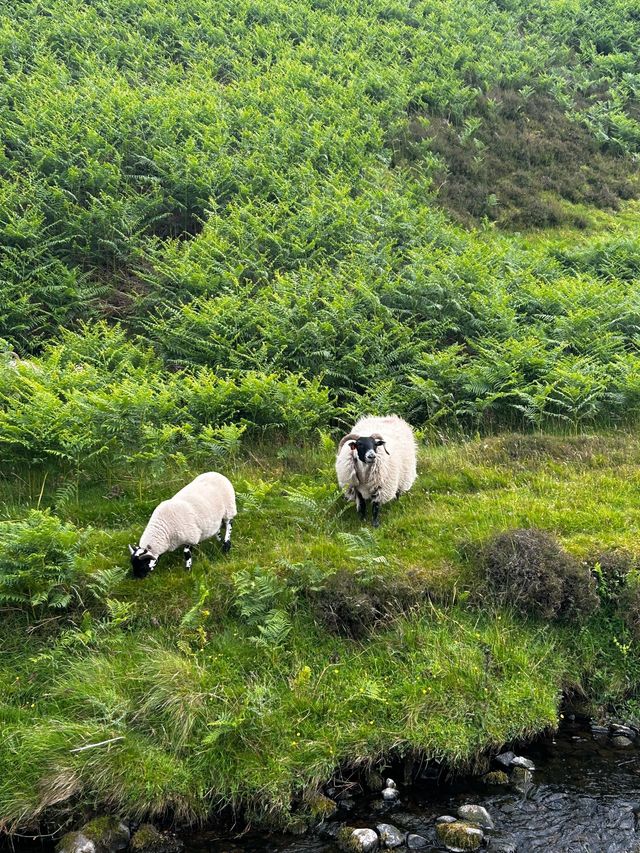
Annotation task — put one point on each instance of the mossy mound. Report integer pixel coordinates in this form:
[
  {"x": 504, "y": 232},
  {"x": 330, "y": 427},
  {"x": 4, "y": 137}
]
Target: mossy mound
[
  {"x": 496, "y": 777},
  {"x": 459, "y": 835},
  {"x": 148, "y": 839}
]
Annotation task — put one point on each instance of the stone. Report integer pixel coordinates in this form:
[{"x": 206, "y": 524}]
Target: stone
[
  {"x": 100, "y": 835},
  {"x": 148, "y": 839},
  {"x": 391, "y": 792},
  {"x": 390, "y": 836},
  {"x": 521, "y": 779},
  {"x": 477, "y": 815},
  {"x": 109, "y": 834},
  {"x": 459, "y": 836},
  {"x": 330, "y": 830},
  {"x": 364, "y": 841},
  {"x": 446, "y": 818},
  {"x": 626, "y": 731},
  {"x": 505, "y": 758},
  {"x": 621, "y": 742},
  {"x": 416, "y": 842},
  {"x": 520, "y": 761},
  {"x": 75, "y": 842},
  {"x": 496, "y": 777}
]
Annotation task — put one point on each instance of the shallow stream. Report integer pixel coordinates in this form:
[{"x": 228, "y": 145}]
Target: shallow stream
[{"x": 584, "y": 797}]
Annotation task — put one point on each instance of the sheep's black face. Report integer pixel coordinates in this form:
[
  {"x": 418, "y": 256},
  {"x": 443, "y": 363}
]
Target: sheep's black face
[
  {"x": 142, "y": 562},
  {"x": 366, "y": 448}
]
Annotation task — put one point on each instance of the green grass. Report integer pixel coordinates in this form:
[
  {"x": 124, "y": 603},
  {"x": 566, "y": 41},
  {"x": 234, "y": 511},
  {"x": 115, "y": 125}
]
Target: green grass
[
  {"x": 223, "y": 236},
  {"x": 219, "y": 701}
]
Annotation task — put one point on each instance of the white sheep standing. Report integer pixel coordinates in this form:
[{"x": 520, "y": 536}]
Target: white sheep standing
[
  {"x": 195, "y": 513},
  {"x": 368, "y": 473}
]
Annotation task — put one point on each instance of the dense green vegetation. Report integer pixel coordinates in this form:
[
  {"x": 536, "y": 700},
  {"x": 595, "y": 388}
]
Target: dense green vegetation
[
  {"x": 226, "y": 230},
  {"x": 313, "y": 644}
]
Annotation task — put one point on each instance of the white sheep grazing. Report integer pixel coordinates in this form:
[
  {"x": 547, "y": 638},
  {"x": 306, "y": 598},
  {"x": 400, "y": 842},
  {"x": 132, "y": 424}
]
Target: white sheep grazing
[
  {"x": 192, "y": 515},
  {"x": 377, "y": 462}
]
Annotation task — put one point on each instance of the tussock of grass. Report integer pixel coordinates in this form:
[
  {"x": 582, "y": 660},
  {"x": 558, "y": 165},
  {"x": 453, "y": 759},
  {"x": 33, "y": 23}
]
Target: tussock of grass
[{"x": 215, "y": 705}]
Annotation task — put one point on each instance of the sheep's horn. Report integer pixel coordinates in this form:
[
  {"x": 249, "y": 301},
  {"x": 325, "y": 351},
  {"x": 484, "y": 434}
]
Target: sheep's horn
[
  {"x": 346, "y": 438},
  {"x": 377, "y": 437}
]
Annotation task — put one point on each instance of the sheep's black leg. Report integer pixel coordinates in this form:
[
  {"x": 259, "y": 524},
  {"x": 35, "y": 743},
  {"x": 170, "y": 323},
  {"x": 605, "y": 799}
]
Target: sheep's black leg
[
  {"x": 375, "y": 513},
  {"x": 226, "y": 545},
  {"x": 188, "y": 559},
  {"x": 361, "y": 506}
]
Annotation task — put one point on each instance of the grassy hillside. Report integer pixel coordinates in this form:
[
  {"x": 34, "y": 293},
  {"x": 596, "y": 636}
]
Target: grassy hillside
[
  {"x": 228, "y": 229},
  {"x": 314, "y": 644}
]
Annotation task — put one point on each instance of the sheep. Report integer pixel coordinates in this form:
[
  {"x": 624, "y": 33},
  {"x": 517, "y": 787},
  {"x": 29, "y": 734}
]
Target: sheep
[
  {"x": 193, "y": 514},
  {"x": 367, "y": 473}
]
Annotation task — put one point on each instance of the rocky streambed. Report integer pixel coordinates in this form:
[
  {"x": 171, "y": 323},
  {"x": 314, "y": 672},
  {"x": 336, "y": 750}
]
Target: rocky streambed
[{"x": 575, "y": 792}]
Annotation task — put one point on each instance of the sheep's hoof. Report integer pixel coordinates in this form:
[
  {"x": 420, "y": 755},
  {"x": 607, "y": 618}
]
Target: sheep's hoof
[
  {"x": 375, "y": 522},
  {"x": 226, "y": 547}
]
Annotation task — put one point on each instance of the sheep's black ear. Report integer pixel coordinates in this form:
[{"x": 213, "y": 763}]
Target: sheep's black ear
[
  {"x": 352, "y": 445},
  {"x": 379, "y": 442}
]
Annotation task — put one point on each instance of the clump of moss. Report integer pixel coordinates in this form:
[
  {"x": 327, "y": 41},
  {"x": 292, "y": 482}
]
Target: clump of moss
[
  {"x": 108, "y": 833},
  {"x": 529, "y": 570},
  {"x": 345, "y": 839},
  {"x": 321, "y": 807},
  {"x": 148, "y": 839},
  {"x": 496, "y": 777},
  {"x": 459, "y": 835}
]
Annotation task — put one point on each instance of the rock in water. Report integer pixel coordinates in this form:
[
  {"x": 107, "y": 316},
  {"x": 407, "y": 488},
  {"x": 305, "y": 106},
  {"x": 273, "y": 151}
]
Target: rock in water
[
  {"x": 109, "y": 834},
  {"x": 505, "y": 758},
  {"x": 621, "y": 741},
  {"x": 149, "y": 840},
  {"x": 391, "y": 792},
  {"x": 363, "y": 841},
  {"x": 520, "y": 761},
  {"x": 619, "y": 729},
  {"x": 390, "y": 836},
  {"x": 75, "y": 842},
  {"x": 416, "y": 842},
  {"x": 459, "y": 836},
  {"x": 101, "y": 835},
  {"x": 476, "y": 814}
]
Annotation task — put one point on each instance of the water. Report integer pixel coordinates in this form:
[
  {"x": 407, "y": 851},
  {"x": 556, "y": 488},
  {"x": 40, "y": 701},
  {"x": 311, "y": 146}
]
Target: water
[{"x": 585, "y": 798}]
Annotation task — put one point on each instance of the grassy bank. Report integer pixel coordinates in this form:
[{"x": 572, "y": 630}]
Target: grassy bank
[{"x": 314, "y": 645}]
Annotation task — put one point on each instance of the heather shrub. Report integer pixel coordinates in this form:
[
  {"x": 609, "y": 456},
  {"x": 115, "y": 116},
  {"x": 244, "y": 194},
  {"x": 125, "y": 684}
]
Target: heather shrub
[{"x": 529, "y": 570}]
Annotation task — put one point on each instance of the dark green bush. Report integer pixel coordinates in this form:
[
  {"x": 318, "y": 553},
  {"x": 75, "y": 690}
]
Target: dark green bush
[
  {"x": 612, "y": 569},
  {"x": 349, "y": 606},
  {"x": 529, "y": 570}
]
